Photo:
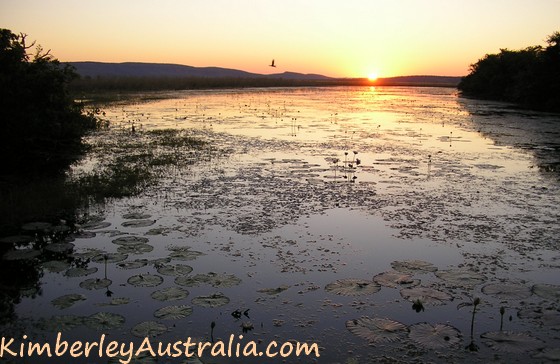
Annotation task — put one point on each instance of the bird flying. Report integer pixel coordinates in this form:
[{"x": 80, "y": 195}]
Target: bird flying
[{"x": 272, "y": 64}]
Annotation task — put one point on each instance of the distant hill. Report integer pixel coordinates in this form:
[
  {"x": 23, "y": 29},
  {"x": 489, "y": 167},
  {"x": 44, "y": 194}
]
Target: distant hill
[
  {"x": 135, "y": 76},
  {"x": 136, "y": 69}
]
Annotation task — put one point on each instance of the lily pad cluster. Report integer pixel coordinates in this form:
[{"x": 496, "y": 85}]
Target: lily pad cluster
[
  {"x": 133, "y": 244},
  {"x": 402, "y": 276},
  {"x": 441, "y": 336},
  {"x": 216, "y": 280},
  {"x": 353, "y": 287},
  {"x": 382, "y": 330}
]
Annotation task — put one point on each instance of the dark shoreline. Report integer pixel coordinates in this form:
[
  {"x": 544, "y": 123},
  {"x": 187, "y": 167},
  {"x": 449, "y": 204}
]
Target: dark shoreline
[{"x": 133, "y": 83}]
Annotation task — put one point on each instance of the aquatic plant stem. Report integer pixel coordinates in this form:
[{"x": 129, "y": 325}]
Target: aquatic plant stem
[
  {"x": 502, "y": 311},
  {"x": 472, "y": 346}
]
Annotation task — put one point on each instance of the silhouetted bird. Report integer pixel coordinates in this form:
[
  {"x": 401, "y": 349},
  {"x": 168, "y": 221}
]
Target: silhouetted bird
[{"x": 272, "y": 64}]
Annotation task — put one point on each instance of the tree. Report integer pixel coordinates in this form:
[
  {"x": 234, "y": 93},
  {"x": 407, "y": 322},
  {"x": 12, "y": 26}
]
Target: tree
[
  {"x": 41, "y": 126},
  {"x": 529, "y": 77}
]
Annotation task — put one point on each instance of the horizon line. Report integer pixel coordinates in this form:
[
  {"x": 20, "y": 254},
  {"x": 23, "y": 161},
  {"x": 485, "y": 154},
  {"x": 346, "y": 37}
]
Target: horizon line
[{"x": 264, "y": 74}]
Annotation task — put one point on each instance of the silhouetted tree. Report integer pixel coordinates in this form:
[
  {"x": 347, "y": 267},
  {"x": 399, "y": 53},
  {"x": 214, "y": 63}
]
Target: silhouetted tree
[
  {"x": 40, "y": 124},
  {"x": 529, "y": 77}
]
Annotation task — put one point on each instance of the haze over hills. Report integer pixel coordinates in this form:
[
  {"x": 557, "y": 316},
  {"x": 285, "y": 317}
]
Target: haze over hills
[{"x": 148, "y": 70}]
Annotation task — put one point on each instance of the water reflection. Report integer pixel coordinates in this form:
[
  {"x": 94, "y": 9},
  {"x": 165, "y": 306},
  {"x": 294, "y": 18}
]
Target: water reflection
[
  {"x": 536, "y": 132},
  {"x": 38, "y": 248},
  {"x": 299, "y": 190}
]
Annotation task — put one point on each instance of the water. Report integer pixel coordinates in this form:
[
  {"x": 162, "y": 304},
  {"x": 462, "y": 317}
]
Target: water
[{"x": 304, "y": 187}]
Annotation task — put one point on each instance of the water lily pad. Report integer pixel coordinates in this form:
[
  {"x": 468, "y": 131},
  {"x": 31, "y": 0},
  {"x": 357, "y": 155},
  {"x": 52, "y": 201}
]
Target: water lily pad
[
  {"x": 170, "y": 294},
  {"x": 148, "y": 329},
  {"x": 507, "y": 291},
  {"x": 352, "y": 287},
  {"x": 55, "y": 266},
  {"x": 426, "y": 295},
  {"x": 138, "y": 223},
  {"x": 413, "y": 266},
  {"x": 17, "y": 239},
  {"x": 174, "y": 269},
  {"x": 95, "y": 283},
  {"x": 547, "y": 291},
  {"x": 530, "y": 313},
  {"x": 551, "y": 319},
  {"x": 173, "y": 312},
  {"x": 213, "y": 300},
  {"x": 112, "y": 233},
  {"x": 103, "y": 321},
  {"x": 438, "y": 336},
  {"x": 157, "y": 231},
  {"x": 60, "y": 323},
  {"x": 145, "y": 280},
  {"x": 68, "y": 239},
  {"x": 110, "y": 257},
  {"x": 552, "y": 354},
  {"x": 83, "y": 235},
  {"x": 68, "y": 300},
  {"x": 191, "y": 281},
  {"x": 221, "y": 279},
  {"x": 211, "y": 278},
  {"x": 512, "y": 342},
  {"x": 59, "y": 247},
  {"x": 546, "y": 317},
  {"x": 395, "y": 279},
  {"x": 135, "y": 264},
  {"x": 94, "y": 225},
  {"x": 87, "y": 253},
  {"x": 130, "y": 240},
  {"x": 135, "y": 249},
  {"x": 377, "y": 330},
  {"x": 80, "y": 271},
  {"x": 136, "y": 216},
  {"x": 273, "y": 291},
  {"x": 159, "y": 261},
  {"x": 21, "y": 254},
  {"x": 29, "y": 291},
  {"x": 461, "y": 277},
  {"x": 63, "y": 228},
  {"x": 37, "y": 226}
]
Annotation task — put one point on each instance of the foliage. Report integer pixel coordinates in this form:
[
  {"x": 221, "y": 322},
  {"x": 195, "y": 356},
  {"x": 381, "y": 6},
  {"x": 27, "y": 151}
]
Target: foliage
[
  {"x": 529, "y": 77},
  {"x": 41, "y": 124}
]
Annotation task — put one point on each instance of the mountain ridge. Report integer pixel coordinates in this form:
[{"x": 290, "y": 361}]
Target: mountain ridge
[
  {"x": 178, "y": 75},
  {"x": 141, "y": 69}
]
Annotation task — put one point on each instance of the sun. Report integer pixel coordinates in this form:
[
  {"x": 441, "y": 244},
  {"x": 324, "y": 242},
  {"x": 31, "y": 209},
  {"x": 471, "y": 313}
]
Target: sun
[{"x": 372, "y": 76}]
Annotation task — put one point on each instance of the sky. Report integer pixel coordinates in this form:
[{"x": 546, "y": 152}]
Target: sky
[{"x": 346, "y": 38}]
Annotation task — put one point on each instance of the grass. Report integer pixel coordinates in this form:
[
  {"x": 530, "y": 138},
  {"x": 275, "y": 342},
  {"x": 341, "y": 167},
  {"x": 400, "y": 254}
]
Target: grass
[
  {"x": 119, "y": 164},
  {"x": 175, "y": 139},
  {"x": 128, "y": 163}
]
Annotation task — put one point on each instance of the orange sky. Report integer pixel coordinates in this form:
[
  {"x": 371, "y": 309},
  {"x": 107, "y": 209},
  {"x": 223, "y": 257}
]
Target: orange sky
[{"x": 347, "y": 38}]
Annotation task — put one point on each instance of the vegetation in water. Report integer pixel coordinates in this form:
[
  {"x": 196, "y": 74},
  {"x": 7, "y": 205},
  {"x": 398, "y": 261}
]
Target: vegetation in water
[
  {"x": 120, "y": 163},
  {"x": 529, "y": 77},
  {"x": 44, "y": 132}
]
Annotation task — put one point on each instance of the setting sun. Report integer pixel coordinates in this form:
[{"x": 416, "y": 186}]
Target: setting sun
[{"x": 372, "y": 76}]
